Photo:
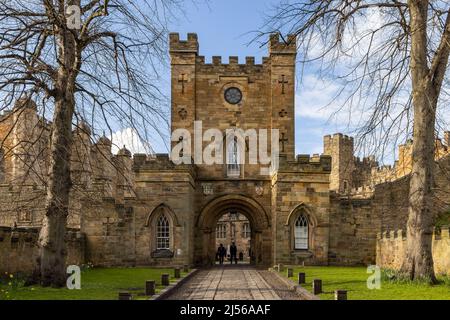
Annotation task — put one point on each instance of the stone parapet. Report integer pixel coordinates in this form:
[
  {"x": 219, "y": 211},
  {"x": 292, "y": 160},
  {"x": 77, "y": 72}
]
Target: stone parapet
[
  {"x": 391, "y": 249},
  {"x": 306, "y": 163},
  {"x": 19, "y": 248}
]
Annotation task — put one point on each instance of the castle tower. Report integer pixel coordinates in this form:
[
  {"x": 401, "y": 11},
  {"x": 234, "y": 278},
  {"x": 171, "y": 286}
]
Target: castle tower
[
  {"x": 183, "y": 54},
  {"x": 282, "y": 91},
  {"x": 104, "y": 170},
  {"x": 124, "y": 182},
  {"x": 25, "y": 147},
  {"x": 234, "y": 95},
  {"x": 340, "y": 147}
]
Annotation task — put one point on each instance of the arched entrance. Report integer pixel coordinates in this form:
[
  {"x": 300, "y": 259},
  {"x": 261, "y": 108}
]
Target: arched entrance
[{"x": 261, "y": 244}]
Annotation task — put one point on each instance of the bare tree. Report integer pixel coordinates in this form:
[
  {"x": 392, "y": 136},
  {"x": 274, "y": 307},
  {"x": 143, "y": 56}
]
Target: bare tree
[
  {"x": 392, "y": 70},
  {"x": 92, "y": 61}
]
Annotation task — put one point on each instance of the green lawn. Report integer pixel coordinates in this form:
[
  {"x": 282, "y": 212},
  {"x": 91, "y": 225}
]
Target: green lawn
[
  {"x": 96, "y": 284},
  {"x": 354, "y": 280}
]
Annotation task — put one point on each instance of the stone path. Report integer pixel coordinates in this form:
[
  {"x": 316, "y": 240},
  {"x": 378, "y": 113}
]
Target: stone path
[{"x": 233, "y": 283}]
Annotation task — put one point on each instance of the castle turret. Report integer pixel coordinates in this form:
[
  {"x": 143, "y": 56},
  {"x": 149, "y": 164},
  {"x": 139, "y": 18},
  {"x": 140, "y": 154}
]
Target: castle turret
[
  {"x": 81, "y": 166},
  {"x": 25, "y": 147},
  {"x": 104, "y": 168},
  {"x": 282, "y": 56},
  {"x": 124, "y": 178},
  {"x": 341, "y": 148},
  {"x": 183, "y": 54}
]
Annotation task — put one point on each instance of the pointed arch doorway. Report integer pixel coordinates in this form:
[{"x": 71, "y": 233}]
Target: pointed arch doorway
[{"x": 260, "y": 246}]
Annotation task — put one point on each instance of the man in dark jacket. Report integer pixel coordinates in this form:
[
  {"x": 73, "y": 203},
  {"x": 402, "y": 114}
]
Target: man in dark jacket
[
  {"x": 221, "y": 253},
  {"x": 233, "y": 253}
]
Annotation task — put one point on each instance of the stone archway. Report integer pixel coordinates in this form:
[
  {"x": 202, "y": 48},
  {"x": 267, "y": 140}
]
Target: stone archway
[{"x": 261, "y": 237}]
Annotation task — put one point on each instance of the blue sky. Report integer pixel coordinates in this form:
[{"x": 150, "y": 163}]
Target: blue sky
[{"x": 224, "y": 28}]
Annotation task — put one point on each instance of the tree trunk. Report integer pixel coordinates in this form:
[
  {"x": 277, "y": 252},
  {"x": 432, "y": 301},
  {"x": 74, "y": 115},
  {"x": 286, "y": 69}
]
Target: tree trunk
[
  {"x": 418, "y": 263},
  {"x": 52, "y": 243}
]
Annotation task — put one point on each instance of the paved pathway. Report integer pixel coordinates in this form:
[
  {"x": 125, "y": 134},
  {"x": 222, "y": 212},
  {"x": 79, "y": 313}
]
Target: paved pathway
[{"x": 233, "y": 283}]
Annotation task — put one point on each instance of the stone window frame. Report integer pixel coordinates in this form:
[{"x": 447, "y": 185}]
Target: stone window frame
[
  {"x": 221, "y": 231},
  {"x": 238, "y": 85},
  {"x": 163, "y": 232},
  {"x": 301, "y": 209},
  {"x": 246, "y": 230},
  {"x": 152, "y": 224},
  {"x": 299, "y": 223}
]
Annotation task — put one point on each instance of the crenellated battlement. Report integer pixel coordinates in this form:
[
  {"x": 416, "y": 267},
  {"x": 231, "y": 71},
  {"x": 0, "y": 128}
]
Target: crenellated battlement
[
  {"x": 338, "y": 137},
  {"x": 400, "y": 234},
  {"x": 234, "y": 66},
  {"x": 306, "y": 163},
  {"x": 190, "y": 45},
  {"x": 369, "y": 161},
  {"x": 362, "y": 192},
  {"x": 391, "y": 248},
  {"x": 283, "y": 46},
  {"x": 232, "y": 60},
  {"x": 159, "y": 161}
]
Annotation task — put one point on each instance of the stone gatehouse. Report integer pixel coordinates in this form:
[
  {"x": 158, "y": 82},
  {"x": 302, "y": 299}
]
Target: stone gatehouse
[{"x": 146, "y": 210}]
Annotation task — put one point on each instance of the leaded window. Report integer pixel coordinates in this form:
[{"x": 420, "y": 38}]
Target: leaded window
[
  {"x": 301, "y": 233},
  {"x": 163, "y": 233},
  {"x": 246, "y": 230},
  {"x": 221, "y": 231}
]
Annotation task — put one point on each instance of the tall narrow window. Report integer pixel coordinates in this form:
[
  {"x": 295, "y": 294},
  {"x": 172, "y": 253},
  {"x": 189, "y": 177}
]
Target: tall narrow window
[
  {"x": 163, "y": 233},
  {"x": 233, "y": 167},
  {"x": 221, "y": 231},
  {"x": 301, "y": 232},
  {"x": 246, "y": 230}
]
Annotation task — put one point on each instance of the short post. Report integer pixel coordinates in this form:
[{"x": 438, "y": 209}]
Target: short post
[
  {"x": 177, "y": 273},
  {"x": 280, "y": 267},
  {"x": 186, "y": 268},
  {"x": 290, "y": 272},
  {"x": 317, "y": 286},
  {"x": 165, "y": 279},
  {"x": 149, "y": 287},
  {"x": 125, "y": 296},
  {"x": 301, "y": 278},
  {"x": 340, "y": 295}
]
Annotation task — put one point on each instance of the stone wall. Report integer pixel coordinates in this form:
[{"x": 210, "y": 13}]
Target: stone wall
[
  {"x": 19, "y": 250},
  {"x": 301, "y": 187},
  {"x": 354, "y": 224},
  {"x": 391, "y": 246}
]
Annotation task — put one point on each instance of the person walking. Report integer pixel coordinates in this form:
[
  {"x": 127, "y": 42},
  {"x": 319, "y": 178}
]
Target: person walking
[
  {"x": 233, "y": 253},
  {"x": 221, "y": 253}
]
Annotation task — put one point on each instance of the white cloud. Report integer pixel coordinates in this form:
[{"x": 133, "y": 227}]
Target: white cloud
[{"x": 129, "y": 138}]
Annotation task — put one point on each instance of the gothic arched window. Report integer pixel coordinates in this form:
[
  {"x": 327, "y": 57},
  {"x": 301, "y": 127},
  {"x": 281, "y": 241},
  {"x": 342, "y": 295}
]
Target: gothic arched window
[
  {"x": 233, "y": 167},
  {"x": 163, "y": 233},
  {"x": 301, "y": 234}
]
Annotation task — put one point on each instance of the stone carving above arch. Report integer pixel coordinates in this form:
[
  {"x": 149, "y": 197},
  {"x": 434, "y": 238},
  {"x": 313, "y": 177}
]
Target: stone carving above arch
[
  {"x": 301, "y": 208},
  {"x": 166, "y": 210}
]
